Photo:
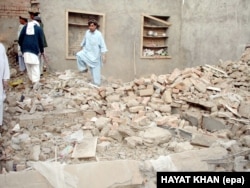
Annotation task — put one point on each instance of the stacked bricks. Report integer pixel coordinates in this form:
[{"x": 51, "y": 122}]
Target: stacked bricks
[{"x": 13, "y": 8}]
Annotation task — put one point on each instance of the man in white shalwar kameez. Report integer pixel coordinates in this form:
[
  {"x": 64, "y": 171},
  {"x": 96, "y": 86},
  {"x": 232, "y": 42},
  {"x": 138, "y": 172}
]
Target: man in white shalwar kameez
[
  {"x": 93, "y": 53},
  {"x": 5, "y": 76},
  {"x": 32, "y": 45}
]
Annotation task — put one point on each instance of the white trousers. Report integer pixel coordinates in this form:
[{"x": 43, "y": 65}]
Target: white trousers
[
  {"x": 33, "y": 66},
  {"x": 95, "y": 71},
  {"x": 21, "y": 63},
  {"x": 33, "y": 71},
  {"x": 2, "y": 98}
]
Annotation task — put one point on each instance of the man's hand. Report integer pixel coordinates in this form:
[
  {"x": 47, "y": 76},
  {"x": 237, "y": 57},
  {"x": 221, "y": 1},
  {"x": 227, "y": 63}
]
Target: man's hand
[
  {"x": 103, "y": 58},
  {"x": 5, "y": 84}
]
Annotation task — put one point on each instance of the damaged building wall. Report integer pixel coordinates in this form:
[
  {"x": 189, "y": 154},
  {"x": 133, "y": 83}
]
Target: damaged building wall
[
  {"x": 213, "y": 30},
  {"x": 200, "y": 33},
  {"x": 122, "y": 34},
  {"x": 9, "y": 18}
]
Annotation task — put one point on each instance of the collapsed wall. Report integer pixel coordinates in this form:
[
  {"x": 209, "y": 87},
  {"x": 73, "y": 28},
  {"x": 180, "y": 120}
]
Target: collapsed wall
[{"x": 141, "y": 120}]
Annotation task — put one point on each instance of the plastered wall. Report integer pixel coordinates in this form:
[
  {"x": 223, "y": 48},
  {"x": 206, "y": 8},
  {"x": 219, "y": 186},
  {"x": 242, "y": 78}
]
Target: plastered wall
[
  {"x": 213, "y": 29},
  {"x": 202, "y": 32},
  {"x": 122, "y": 34}
]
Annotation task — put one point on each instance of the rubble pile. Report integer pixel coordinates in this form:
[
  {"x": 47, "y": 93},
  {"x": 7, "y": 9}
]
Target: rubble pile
[{"x": 188, "y": 110}]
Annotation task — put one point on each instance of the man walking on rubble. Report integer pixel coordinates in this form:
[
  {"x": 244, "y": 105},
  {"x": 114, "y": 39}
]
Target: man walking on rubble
[
  {"x": 93, "y": 53},
  {"x": 31, "y": 42},
  {"x": 34, "y": 12}
]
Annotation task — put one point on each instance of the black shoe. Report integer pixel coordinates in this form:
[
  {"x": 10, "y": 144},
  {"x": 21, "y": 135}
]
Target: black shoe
[
  {"x": 1, "y": 129},
  {"x": 84, "y": 71},
  {"x": 22, "y": 98}
]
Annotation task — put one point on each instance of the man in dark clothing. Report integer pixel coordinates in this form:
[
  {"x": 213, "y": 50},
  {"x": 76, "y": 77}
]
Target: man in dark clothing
[
  {"x": 31, "y": 41},
  {"x": 41, "y": 58},
  {"x": 39, "y": 20}
]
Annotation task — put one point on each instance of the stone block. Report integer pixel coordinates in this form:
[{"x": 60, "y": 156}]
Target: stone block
[
  {"x": 146, "y": 92},
  {"x": 212, "y": 124}
]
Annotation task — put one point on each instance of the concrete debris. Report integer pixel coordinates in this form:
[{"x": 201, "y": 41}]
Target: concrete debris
[{"x": 200, "y": 112}]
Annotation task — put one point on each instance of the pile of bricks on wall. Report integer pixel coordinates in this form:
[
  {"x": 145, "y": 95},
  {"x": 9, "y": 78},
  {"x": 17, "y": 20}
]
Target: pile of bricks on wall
[{"x": 13, "y": 8}]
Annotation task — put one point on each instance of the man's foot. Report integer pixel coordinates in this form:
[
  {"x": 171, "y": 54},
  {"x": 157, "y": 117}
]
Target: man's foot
[
  {"x": 3, "y": 128},
  {"x": 37, "y": 85},
  {"x": 22, "y": 98},
  {"x": 84, "y": 71},
  {"x": 94, "y": 85}
]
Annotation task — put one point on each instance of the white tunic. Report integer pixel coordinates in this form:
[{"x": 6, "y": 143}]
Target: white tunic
[
  {"x": 18, "y": 33},
  {"x": 93, "y": 45},
  {"x": 4, "y": 75}
]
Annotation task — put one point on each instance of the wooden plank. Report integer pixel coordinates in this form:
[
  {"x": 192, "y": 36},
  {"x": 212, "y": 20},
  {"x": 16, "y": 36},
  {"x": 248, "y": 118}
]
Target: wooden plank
[
  {"x": 150, "y": 46},
  {"x": 67, "y": 34},
  {"x": 156, "y": 57},
  {"x": 157, "y": 19},
  {"x": 85, "y": 12},
  {"x": 213, "y": 88},
  {"x": 142, "y": 23},
  {"x": 103, "y": 25},
  {"x": 151, "y": 26}
]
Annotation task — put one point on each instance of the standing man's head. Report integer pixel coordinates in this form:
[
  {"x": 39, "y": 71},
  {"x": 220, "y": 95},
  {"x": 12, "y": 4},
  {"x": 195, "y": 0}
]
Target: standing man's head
[
  {"x": 23, "y": 19},
  {"x": 2, "y": 38},
  {"x": 38, "y": 19},
  {"x": 93, "y": 25},
  {"x": 33, "y": 12}
]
